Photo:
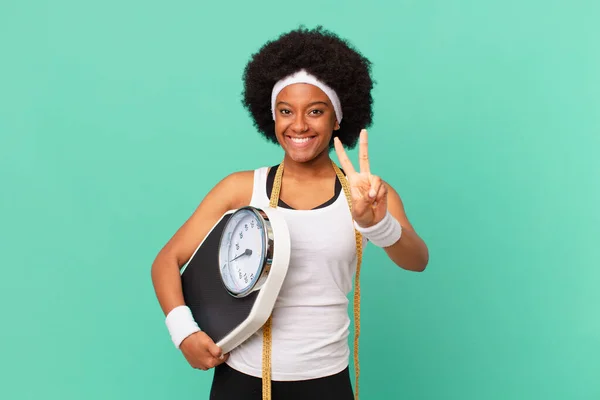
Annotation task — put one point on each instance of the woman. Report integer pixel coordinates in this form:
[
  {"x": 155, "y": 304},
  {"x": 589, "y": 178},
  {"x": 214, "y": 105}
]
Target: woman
[{"x": 310, "y": 92}]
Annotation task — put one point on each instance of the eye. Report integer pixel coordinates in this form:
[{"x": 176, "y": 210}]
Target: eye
[
  {"x": 316, "y": 112},
  {"x": 284, "y": 111}
]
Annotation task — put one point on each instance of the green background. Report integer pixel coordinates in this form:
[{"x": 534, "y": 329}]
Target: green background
[{"x": 116, "y": 118}]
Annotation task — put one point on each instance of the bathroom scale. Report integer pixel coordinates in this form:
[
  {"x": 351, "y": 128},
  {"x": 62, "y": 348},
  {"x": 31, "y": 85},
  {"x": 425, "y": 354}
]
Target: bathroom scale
[{"x": 233, "y": 278}]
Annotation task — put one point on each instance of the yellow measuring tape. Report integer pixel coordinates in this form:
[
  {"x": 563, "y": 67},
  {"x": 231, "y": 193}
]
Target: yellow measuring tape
[{"x": 266, "y": 363}]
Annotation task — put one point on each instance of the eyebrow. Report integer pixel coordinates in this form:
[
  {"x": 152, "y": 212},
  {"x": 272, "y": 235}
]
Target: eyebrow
[{"x": 311, "y": 104}]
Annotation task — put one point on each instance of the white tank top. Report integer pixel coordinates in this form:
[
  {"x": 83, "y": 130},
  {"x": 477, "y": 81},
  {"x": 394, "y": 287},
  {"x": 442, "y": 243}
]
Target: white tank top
[{"x": 310, "y": 324}]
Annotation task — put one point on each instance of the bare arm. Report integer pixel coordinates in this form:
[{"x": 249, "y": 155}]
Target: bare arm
[
  {"x": 372, "y": 200},
  {"x": 232, "y": 192},
  {"x": 410, "y": 252}
]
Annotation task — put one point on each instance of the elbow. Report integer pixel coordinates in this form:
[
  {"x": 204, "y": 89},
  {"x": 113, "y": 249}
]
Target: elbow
[
  {"x": 158, "y": 265},
  {"x": 418, "y": 266},
  {"x": 421, "y": 266},
  {"x": 423, "y": 260},
  {"x": 416, "y": 263},
  {"x": 155, "y": 269}
]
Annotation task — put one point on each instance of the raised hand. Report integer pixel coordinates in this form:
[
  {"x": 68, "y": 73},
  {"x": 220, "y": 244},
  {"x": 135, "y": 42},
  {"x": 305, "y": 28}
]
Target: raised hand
[
  {"x": 201, "y": 352},
  {"x": 369, "y": 194}
]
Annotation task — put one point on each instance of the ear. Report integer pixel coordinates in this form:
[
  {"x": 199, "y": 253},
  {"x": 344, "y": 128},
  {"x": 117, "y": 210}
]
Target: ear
[{"x": 336, "y": 126}]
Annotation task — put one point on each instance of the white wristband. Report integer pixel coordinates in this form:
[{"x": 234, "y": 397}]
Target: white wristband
[
  {"x": 384, "y": 233},
  {"x": 181, "y": 324}
]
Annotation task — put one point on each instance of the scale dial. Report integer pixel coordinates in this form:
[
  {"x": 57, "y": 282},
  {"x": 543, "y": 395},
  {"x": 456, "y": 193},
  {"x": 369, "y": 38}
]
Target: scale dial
[{"x": 245, "y": 251}]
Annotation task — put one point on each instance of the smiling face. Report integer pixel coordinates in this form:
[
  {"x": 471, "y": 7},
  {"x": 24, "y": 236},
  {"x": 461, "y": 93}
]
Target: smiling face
[{"x": 304, "y": 122}]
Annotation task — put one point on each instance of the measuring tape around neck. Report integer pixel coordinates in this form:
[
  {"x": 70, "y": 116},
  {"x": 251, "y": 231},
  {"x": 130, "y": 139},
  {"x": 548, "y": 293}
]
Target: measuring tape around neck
[{"x": 266, "y": 363}]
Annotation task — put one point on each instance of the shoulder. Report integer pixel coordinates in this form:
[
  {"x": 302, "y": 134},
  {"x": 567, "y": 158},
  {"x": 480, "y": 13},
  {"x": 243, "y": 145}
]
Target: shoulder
[
  {"x": 244, "y": 178},
  {"x": 235, "y": 189}
]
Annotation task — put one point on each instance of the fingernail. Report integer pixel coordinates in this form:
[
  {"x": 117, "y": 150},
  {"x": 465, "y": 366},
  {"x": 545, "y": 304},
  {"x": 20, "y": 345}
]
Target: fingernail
[{"x": 372, "y": 193}]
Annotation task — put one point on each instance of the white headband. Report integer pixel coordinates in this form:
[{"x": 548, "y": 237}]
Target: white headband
[{"x": 304, "y": 77}]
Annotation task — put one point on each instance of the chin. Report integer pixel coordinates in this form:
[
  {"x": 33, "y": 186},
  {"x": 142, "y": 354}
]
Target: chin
[{"x": 301, "y": 158}]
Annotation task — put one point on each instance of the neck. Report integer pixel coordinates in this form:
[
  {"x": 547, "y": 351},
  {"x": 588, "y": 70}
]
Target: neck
[{"x": 320, "y": 166}]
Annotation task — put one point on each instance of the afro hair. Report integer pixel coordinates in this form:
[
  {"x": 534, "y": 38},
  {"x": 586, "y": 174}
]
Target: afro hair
[{"x": 323, "y": 54}]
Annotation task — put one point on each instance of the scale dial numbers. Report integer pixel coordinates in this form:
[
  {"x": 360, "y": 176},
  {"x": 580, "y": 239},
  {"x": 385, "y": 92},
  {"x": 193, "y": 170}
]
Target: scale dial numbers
[{"x": 242, "y": 251}]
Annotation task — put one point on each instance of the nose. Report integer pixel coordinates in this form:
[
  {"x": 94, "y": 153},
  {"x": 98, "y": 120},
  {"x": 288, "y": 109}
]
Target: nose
[{"x": 299, "y": 124}]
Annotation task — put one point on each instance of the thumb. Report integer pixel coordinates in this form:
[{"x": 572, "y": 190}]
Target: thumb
[{"x": 214, "y": 350}]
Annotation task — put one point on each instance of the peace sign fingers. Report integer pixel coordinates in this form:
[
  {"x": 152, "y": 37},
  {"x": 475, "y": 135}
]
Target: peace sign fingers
[
  {"x": 345, "y": 162},
  {"x": 369, "y": 193},
  {"x": 363, "y": 153}
]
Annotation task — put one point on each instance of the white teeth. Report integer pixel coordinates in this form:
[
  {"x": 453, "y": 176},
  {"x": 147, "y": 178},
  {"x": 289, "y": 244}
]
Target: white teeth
[{"x": 300, "y": 140}]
